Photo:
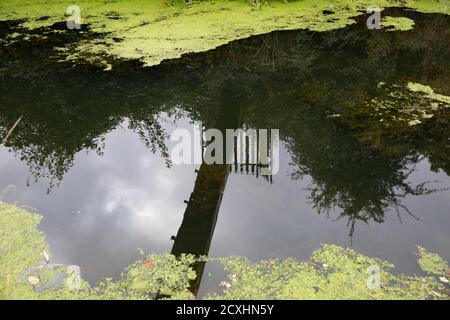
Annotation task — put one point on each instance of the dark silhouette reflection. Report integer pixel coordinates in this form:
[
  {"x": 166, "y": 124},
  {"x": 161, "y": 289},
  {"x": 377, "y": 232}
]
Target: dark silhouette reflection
[
  {"x": 295, "y": 81},
  {"x": 199, "y": 220},
  {"x": 196, "y": 231},
  {"x": 347, "y": 175}
]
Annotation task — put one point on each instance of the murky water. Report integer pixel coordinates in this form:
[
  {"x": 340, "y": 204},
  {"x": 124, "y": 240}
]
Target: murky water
[{"x": 91, "y": 151}]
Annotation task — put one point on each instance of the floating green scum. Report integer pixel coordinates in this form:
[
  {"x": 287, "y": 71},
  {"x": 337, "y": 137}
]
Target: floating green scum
[
  {"x": 332, "y": 272},
  {"x": 155, "y": 30}
]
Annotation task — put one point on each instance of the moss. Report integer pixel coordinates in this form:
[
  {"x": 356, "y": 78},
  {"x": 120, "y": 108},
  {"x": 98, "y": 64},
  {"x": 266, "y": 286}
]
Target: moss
[{"x": 153, "y": 31}]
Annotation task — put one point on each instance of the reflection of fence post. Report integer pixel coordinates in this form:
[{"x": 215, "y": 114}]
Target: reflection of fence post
[
  {"x": 196, "y": 231},
  {"x": 251, "y": 153}
]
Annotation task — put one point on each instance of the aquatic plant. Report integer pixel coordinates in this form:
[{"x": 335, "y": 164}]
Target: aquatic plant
[
  {"x": 153, "y": 31},
  {"x": 395, "y": 107},
  {"x": 332, "y": 272},
  {"x": 21, "y": 246},
  {"x": 397, "y": 23},
  {"x": 432, "y": 263},
  {"x": 156, "y": 276},
  {"x": 404, "y": 117},
  {"x": 302, "y": 85}
]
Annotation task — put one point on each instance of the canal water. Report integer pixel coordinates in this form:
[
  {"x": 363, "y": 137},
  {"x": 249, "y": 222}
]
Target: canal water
[{"x": 91, "y": 151}]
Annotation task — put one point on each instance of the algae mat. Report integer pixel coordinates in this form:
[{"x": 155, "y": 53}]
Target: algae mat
[
  {"x": 153, "y": 31},
  {"x": 332, "y": 272}
]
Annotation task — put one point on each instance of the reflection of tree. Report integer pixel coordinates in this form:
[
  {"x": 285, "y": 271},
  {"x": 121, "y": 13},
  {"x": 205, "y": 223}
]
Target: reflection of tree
[
  {"x": 346, "y": 175},
  {"x": 361, "y": 204},
  {"x": 384, "y": 122},
  {"x": 152, "y": 134},
  {"x": 347, "y": 172},
  {"x": 70, "y": 116},
  {"x": 293, "y": 81}
]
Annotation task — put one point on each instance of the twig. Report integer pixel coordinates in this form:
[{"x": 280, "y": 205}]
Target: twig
[{"x": 11, "y": 130}]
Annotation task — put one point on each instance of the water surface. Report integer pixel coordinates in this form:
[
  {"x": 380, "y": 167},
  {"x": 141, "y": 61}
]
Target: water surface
[{"x": 91, "y": 151}]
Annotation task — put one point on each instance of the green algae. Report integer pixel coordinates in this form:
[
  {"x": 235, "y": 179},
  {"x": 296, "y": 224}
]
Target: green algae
[
  {"x": 157, "y": 276},
  {"x": 153, "y": 31},
  {"x": 21, "y": 248},
  {"x": 430, "y": 6},
  {"x": 332, "y": 272},
  {"x": 397, "y": 23},
  {"x": 431, "y": 262},
  {"x": 21, "y": 245},
  {"x": 428, "y": 92},
  {"x": 397, "y": 107},
  {"x": 400, "y": 118},
  {"x": 403, "y": 119}
]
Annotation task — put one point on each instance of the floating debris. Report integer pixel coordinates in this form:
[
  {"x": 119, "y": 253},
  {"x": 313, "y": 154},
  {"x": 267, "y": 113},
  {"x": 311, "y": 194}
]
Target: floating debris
[
  {"x": 148, "y": 264},
  {"x": 11, "y": 130},
  {"x": 397, "y": 23},
  {"x": 225, "y": 284},
  {"x": 46, "y": 257},
  {"x": 33, "y": 280},
  {"x": 414, "y": 122},
  {"x": 436, "y": 294},
  {"x": 443, "y": 279},
  {"x": 45, "y": 277}
]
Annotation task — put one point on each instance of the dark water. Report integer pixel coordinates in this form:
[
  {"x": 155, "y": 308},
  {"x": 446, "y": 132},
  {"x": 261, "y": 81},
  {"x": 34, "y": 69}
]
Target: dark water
[{"x": 91, "y": 151}]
